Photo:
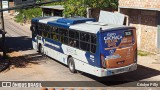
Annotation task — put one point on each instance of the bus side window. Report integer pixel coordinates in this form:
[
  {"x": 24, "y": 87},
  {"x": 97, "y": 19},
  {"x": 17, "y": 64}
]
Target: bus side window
[
  {"x": 39, "y": 26},
  {"x": 93, "y": 48},
  {"x": 93, "y": 43},
  {"x": 71, "y": 33},
  {"x": 54, "y": 36},
  {"x": 63, "y": 35},
  {"x": 85, "y": 37},
  {"x": 76, "y": 35},
  {"x": 74, "y": 38},
  {"x": 84, "y": 46},
  {"x": 84, "y": 41},
  {"x": 74, "y": 43},
  {"x": 93, "y": 39}
]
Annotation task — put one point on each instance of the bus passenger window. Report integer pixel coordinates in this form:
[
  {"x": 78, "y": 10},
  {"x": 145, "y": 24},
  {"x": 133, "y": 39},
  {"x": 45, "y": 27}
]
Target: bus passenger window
[
  {"x": 40, "y": 32},
  {"x": 74, "y": 43},
  {"x": 93, "y": 39},
  {"x": 63, "y": 35},
  {"x": 63, "y": 32},
  {"x": 76, "y": 35},
  {"x": 44, "y": 34},
  {"x": 71, "y": 34},
  {"x": 55, "y": 30},
  {"x": 63, "y": 39},
  {"x": 46, "y": 28},
  {"x": 42, "y": 26},
  {"x": 54, "y": 36},
  {"x": 66, "y": 40},
  {"x": 84, "y": 37},
  {"x": 85, "y": 46},
  {"x": 93, "y": 48},
  {"x": 71, "y": 42},
  {"x": 39, "y": 26}
]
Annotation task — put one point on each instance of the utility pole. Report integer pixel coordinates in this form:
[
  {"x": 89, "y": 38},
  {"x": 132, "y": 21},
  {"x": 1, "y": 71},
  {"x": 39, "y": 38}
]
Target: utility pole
[{"x": 2, "y": 30}]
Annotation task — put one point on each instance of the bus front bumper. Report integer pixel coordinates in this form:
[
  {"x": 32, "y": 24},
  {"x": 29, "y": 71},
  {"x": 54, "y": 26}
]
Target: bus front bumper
[{"x": 110, "y": 72}]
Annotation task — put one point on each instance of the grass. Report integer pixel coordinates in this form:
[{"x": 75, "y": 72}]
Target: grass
[{"x": 143, "y": 53}]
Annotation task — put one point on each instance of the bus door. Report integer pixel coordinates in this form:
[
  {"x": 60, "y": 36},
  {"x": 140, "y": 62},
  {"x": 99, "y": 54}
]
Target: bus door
[
  {"x": 118, "y": 48},
  {"x": 33, "y": 29}
]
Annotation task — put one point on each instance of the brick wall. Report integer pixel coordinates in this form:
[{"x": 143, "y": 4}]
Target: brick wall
[
  {"x": 140, "y": 3},
  {"x": 146, "y": 25}
]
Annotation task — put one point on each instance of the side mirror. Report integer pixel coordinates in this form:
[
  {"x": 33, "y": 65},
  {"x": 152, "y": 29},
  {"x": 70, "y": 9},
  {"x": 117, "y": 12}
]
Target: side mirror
[{"x": 32, "y": 28}]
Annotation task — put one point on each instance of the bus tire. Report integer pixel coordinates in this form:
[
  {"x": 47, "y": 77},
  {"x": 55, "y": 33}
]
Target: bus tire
[
  {"x": 40, "y": 48},
  {"x": 71, "y": 65}
]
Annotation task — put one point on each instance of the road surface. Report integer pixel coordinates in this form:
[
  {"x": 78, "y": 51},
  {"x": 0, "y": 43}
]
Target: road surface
[{"x": 28, "y": 65}]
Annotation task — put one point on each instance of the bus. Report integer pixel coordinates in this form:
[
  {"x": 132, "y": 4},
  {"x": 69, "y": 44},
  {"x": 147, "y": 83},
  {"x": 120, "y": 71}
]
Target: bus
[{"x": 85, "y": 45}]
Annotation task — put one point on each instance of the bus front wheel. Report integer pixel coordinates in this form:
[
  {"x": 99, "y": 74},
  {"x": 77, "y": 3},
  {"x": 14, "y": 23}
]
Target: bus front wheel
[
  {"x": 40, "y": 48},
  {"x": 71, "y": 65}
]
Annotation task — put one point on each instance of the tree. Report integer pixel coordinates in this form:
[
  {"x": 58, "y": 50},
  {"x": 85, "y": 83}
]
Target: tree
[
  {"x": 74, "y": 8},
  {"x": 78, "y": 7}
]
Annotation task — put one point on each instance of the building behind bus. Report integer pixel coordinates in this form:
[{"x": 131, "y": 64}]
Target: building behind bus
[{"x": 145, "y": 16}]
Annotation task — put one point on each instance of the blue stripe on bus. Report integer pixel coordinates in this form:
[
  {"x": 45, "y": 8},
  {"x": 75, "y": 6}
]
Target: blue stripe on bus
[{"x": 52, "y": 46}]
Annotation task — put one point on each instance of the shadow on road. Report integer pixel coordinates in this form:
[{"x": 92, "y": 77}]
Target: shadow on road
[
  {"x": 140, "y": 74},
  {"x": 23, "y": 61},
  {"x": 18, "y": 43}
]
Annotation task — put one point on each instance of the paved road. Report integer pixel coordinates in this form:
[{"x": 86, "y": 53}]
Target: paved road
[{"x": 28, "y": 65}]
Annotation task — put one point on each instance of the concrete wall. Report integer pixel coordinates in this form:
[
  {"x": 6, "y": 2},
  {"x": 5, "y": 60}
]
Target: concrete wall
[
  {"x": 146, "y": 24},
  {"x": 140, "y": 3}
]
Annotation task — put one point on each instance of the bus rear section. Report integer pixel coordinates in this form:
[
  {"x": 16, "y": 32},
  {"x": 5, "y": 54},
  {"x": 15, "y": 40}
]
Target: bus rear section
[{"x": 118, "y": 51}]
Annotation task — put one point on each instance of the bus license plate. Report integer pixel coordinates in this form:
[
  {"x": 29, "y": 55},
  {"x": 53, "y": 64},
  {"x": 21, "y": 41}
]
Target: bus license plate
[{"x": 120, "y": 70}]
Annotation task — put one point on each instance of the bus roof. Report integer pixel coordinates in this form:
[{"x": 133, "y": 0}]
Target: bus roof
[
  {"x": 45, "y": 20},
  {"x": 81, "y": 24},
  {"x": 95, "y": 27}
]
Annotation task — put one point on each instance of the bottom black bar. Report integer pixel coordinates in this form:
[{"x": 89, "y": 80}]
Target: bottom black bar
[{"x": 80, "y": 84}]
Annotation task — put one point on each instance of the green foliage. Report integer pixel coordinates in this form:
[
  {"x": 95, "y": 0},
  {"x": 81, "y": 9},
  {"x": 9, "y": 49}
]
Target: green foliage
[
  {"x": 29, "y": 13},
  {"x": 143, "y": 53},
  {"x": 72, "y": 8},
  {"x": 78, "y": 7},
  {"x": 32, "y": 12},
  {"x": 55, "y": 3}
]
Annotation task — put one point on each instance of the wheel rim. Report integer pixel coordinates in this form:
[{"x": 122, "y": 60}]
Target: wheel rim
[{"x": 71, "y": 66}]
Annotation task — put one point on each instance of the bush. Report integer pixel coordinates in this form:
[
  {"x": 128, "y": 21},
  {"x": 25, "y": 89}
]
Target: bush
[{"x": 28, "y": 13}]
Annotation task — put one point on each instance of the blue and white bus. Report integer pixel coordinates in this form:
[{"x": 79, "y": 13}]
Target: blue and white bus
[{"x": 85, "y": 45}]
